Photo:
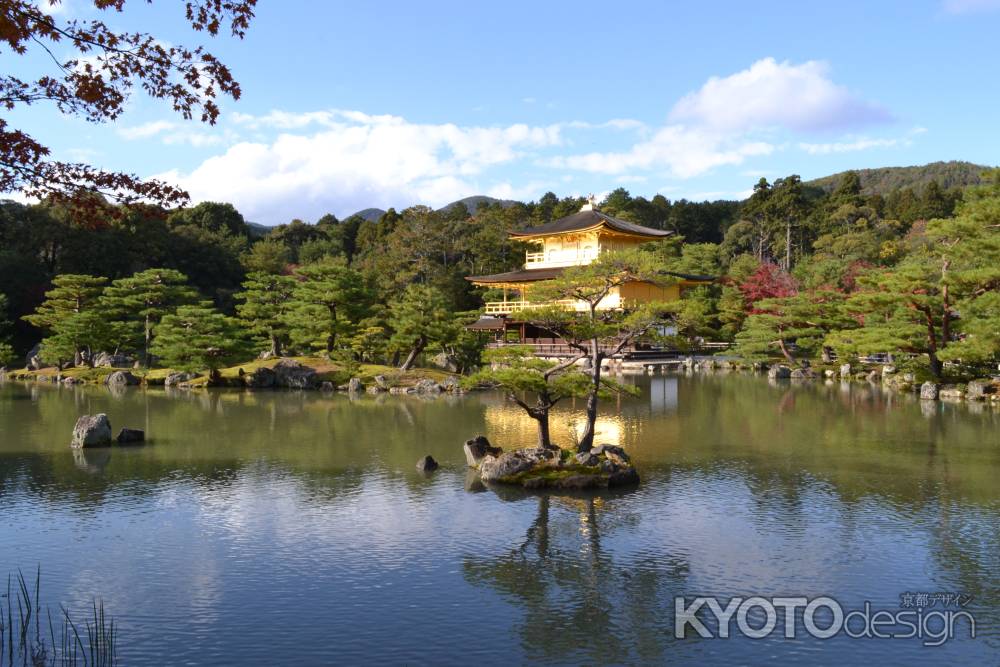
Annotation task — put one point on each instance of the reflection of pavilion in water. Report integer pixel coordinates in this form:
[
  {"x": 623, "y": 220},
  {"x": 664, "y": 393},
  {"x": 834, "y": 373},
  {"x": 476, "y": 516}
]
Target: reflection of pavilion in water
[{"x": 618, "y": 423}]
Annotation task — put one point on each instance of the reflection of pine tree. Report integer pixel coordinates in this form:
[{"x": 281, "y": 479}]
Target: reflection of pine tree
[{"x": 578, "y": 603}]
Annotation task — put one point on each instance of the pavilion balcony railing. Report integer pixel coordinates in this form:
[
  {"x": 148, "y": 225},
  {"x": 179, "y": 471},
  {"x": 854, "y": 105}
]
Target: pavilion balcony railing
[
  {"x": 557, "y": 259},
  {"x": 506, "y": 307}
]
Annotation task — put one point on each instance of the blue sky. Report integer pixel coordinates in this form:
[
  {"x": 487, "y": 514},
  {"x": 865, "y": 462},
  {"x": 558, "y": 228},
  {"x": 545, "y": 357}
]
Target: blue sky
[{"x": 350, "y": 105}]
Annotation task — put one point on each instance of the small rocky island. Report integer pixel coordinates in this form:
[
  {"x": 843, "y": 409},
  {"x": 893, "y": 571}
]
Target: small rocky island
[{"x": 604, "y": 466}]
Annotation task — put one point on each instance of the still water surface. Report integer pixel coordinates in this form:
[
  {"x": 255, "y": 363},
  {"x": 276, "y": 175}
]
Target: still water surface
[{"x": 293, "y": 528}]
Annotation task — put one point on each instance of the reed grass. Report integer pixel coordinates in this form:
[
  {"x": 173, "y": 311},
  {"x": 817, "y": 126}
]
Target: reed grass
[{"x": 24, "y": 644}]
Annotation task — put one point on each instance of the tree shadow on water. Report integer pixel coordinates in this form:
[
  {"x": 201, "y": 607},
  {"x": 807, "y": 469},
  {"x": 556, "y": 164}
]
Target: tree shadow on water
[{"x": 582, "y": 601}]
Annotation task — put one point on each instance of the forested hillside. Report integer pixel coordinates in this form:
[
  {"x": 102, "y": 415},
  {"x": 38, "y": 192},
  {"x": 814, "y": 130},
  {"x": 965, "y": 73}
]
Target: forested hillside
[{"x": 882, "y": 181}]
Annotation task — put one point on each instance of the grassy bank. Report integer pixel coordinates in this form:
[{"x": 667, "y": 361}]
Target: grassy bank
[{"x": 326, "y": 371}]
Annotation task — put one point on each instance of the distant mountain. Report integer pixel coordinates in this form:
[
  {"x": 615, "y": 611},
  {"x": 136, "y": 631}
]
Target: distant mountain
[
  {"x": 257, "y": 230},
  {"x": 370, "y": 214},
  {"x": 473, "y": 203},
  {"x": 883, "y": 180}
]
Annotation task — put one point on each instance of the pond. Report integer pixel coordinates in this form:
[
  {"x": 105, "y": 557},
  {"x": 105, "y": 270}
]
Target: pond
[{"x": 284, "y": 527}]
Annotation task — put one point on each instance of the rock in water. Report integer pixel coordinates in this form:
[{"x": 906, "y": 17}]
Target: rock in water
[
  {"x": 929, "y": 391},
  {"x": 427, "y": 464},
  {"x": 427, "y": 387},
  {"x": 130, "y": 436},
  {"x": 293, "y": 375},
  {"x": 121, "y": 379},
  {"x": 175, "y": 379},
  {"x": 477, "y": 449},
  {"x": 260, "y": 378},
  {"x": 779, "y": 372},
  {"x": 92, "y": 431},
  {"x": 845, "y": 370},
  {"x": 494, "y": 468},
  {"x": 979, "y": 390},
  {"x": 356, "y": 387}
]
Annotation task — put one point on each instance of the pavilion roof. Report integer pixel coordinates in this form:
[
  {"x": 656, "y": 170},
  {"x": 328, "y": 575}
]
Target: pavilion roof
[{"x": 589, "y": 219}]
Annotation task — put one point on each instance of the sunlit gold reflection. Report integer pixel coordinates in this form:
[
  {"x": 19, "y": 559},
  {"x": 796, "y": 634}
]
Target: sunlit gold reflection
[{"x": 512, "y": 426}]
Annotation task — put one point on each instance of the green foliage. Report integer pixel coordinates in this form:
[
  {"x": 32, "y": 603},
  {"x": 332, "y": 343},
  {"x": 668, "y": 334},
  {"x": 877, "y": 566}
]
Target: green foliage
[
  {"x": 888, "y": 179},
  {"x": 266, "y": 256},
  {"x": 210, "y": 216},
  {"x": 420, "y": 317},
  {"x": 803, "y": 321},
  {"x": 264, "y": 308},
  {"x": 81, "y": 335},
  {"x": 198, "y": 338},
  {"x": 328, "y": 299},
  {"x": 71, "y": 294},
  {"x": 145, "y": 299}
]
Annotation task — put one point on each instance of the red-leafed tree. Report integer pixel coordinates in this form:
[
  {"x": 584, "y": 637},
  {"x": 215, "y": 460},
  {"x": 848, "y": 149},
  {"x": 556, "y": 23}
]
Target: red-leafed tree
[
  {"x": 95, "y": 83},
  {"x": 767, "y": 282}
]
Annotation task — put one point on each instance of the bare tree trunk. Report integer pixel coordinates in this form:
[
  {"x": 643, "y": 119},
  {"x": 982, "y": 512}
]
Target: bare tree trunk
[
  {"x": 541, "y": 415},
  {"x": 417, "y": 349},
  {"x": 587, "y": 441},
  {"x": 788, "y": 245},
  {"x": 784, "y": 351}
]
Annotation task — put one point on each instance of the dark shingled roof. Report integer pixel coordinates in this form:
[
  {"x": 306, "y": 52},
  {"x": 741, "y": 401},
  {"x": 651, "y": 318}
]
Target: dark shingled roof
[
  {"x": 486, "y": 323},
  {"x": 531, "y": 275},
  {"x": 588, "y": 219}
]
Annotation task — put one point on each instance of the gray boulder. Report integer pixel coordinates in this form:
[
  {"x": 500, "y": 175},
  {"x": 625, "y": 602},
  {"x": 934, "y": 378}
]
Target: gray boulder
[
  {"x": 929, "y": 391},
  {"x": 381, "y": 382},
  {"x": 873, "y": 376},
  {"x": 355, "y": 386},
  {"x": 951, "y": 392},
  {"x": 130, "y": 436},
  {"x": 477, "y": 449},
  {"x": 293, "y": 375},
  {"x": 801, "y": 374},
  {"x": 32, "y": 360},
  {"x": 614, "y": 453},
  {"x": 427, "y": 464},
  {"x": 375, "y": 389},
  {"x": 427, "y": 387},
  {"x": 628, "y": 476},
  {"x": 260, "y": 378},
  {"x": 91, "y": 431},
  {"x": 445, "y": 361},
  {"x": 493, "y": 468},
  {"x": 979, "y": 390},
  {"x": 888, "y": 369},
  {"x": 845, "y": 370},
  {"x": 326, "y": 386},
  {"x": 175, "y": 379},
  {"x": 121, "y": 379},
  {"x": 586, "y": 459},
  {"x": 108, "y": 360},
  {"x": 779, "y": 372},
  {"x": 451, "y": 383}
]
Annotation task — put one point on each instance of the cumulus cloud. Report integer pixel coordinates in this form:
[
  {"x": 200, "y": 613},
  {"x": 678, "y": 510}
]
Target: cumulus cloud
[
  {"x": 355, "y": 160},
  {"x": 683, "y": 151},
  {"x": 172, "y": 133},
  {"x": 772, "y": 94},
  {"x": 848, "y": 146}
]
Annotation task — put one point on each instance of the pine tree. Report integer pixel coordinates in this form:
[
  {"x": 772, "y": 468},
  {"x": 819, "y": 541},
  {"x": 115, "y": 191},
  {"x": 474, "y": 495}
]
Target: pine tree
[
  {"x": 515, "y": 370},
  {"x": 803, "y": 320},
  {"x": 266, "y": 302},
  {"x": 79, "y": 336},
  {"x": 328, "y": 298},
  {"x": 198, "y": 338},
  {"x": 71, "y": 295},
  {"x": 145, "y": 298},
  {"x": 419, "y": 318}
]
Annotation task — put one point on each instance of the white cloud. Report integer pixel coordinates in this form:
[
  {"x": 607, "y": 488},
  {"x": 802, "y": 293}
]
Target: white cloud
[
  {"x": 355, "y": 160},
  {"x": 171, "y": 133},
  {"x": 772, "y": 94},
  {"x": 684, "y": 151},
  {"x": 146, "y": 130},
  {"x": 849, "y": 146}
]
